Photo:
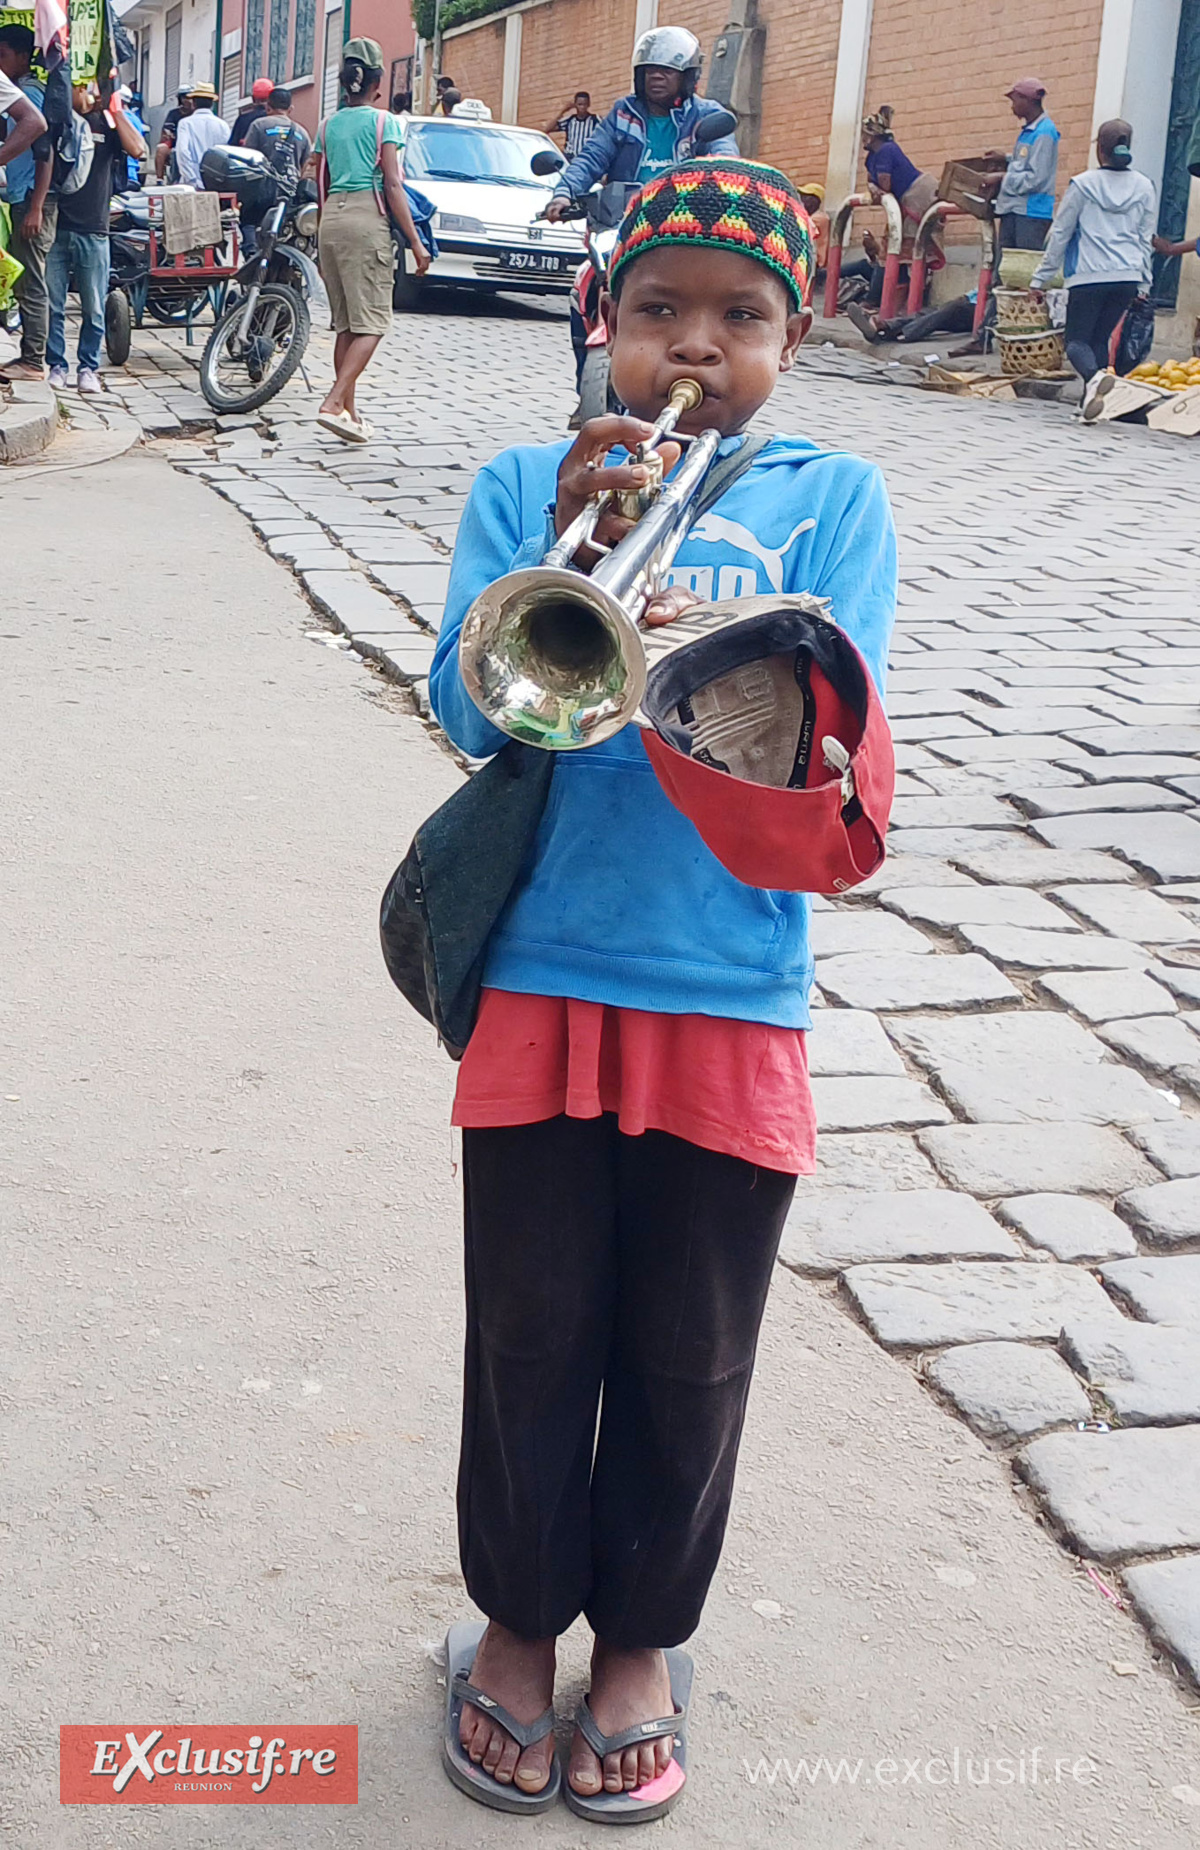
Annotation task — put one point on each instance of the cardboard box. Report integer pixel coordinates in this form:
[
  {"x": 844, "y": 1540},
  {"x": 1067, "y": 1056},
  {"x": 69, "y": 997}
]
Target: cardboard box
[{"x": 1179, "y": 412}]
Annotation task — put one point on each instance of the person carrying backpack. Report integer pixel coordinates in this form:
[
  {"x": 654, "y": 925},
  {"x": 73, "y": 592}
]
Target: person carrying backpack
[
  {"x": 80, "y": 249},
  {"x": 357, "y": 156},
  {"x": 281, "y": 141}
]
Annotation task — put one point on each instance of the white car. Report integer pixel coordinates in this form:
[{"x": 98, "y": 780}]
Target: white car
[{"x": 489, "y": 235}]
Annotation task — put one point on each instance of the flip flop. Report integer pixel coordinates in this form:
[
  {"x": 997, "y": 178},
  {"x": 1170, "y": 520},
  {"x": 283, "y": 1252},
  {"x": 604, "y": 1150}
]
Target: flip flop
[
  {"x": 655, "y": 1799},
  {"x": 462, "y": 1642},
  {"x": 341, "y": 424}
]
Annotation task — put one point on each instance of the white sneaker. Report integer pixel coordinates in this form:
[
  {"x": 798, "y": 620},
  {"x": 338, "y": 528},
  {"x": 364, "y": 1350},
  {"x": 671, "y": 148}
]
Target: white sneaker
[
  {"x": 88, "y": 381},
  {"x": 1094, "y": 394},
  {"x": 58, "y": 377}
]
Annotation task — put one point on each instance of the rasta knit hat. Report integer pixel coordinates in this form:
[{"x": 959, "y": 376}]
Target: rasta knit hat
[{"x": 722, "y": 205}]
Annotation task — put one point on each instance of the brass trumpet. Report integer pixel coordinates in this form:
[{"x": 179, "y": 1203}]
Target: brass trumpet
[{"x": 554, "y": 658}]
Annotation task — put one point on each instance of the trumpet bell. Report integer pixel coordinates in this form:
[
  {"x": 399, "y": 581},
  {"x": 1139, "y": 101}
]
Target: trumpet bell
[{"x": 552, "y": 659}]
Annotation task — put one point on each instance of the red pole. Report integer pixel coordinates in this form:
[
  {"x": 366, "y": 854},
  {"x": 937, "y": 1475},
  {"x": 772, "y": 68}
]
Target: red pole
[
  {"x": 981, "y": 299},
  {"x": 916, "y": 285},
  {"x": 891, "y": 286},
  {"x": 833, "y": 277}
]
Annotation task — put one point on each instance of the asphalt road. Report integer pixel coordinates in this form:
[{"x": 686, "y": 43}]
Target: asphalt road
[{"x": 229, "y": 1304}]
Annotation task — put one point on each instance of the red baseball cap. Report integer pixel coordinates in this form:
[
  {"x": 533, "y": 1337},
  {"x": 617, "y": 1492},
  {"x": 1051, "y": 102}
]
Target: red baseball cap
[
  {"x": 1031, "y": 87},
  {"x": 261, "y": 89},
  {"x": 766, "y": 731}
]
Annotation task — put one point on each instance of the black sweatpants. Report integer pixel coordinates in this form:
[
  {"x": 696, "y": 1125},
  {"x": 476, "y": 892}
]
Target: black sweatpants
[
  {"x": 626, "y": 1275},
  {"x": 954, "y": 317},
  {"x": 1093, "y": 311}
]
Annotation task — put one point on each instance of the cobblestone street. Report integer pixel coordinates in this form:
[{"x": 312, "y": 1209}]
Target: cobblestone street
[
  {"x": 231, "y": 1316},
  {"x": 1007, "y": 1065}
]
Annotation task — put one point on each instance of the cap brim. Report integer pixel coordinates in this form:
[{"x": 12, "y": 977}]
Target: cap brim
[{"x": 812, "y": 839}]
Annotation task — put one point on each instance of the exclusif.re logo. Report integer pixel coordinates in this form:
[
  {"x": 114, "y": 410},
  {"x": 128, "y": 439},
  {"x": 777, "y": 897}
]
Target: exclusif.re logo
[{"x": 126, "y": 1764}]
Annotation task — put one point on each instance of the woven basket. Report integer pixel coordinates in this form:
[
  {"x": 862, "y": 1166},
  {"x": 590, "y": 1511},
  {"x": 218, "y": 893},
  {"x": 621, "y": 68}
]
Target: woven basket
[
  {"x": 1018, "y": 313},
  {"x": 1030, "y": 356}
]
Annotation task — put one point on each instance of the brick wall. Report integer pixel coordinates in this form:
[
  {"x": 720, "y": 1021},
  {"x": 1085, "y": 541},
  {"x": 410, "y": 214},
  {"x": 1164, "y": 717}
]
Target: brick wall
[
  {"x": 949, "y": 101},
  {"x": 942, "y": 64},
  {"x": 574, "y": 45},
  {"x": 476, "y": 63}
]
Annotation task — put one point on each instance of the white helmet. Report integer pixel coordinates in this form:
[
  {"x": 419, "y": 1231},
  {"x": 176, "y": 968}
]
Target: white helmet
[{"x": 673, "y": 48}]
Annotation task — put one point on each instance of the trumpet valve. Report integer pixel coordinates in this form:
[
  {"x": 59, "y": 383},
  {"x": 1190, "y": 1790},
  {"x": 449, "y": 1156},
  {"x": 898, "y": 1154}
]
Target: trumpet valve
[{"x": 632, "y": 503}]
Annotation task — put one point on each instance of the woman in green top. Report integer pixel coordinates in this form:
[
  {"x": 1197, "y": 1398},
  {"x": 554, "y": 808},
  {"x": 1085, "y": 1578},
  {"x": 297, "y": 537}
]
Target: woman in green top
[{"x": 359, "y": 147}]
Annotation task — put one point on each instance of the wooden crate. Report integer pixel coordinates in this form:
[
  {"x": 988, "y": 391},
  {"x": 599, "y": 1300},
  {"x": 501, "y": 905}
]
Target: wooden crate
[{"x": 960, "y": 183}]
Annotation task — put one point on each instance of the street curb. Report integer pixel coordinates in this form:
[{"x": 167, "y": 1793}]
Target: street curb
[{"x": 28, "y": 421}]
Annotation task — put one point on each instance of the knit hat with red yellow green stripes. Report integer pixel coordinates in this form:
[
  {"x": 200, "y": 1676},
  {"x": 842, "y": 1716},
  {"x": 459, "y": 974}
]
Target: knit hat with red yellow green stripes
[{"x": 722, "y": 205}]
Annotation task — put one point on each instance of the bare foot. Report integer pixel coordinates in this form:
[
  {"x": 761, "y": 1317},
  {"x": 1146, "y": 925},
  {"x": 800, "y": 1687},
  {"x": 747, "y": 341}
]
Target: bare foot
[
  {"x": 519, "y": 1673},
  {"x": 627, "y": 1687}
]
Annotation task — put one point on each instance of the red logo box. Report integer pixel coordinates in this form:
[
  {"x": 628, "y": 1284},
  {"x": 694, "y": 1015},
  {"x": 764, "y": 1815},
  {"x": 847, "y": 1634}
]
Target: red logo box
[{"x": 142, "y": 1764}]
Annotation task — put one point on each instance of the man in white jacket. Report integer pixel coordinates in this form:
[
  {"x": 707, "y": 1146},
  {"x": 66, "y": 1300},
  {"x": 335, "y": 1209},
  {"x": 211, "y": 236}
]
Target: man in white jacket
[
  {"x": 197, "y": 133},
  {"x": 1101, "y": 238}
]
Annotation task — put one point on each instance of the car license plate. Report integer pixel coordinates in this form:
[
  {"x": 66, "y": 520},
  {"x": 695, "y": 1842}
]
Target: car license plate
[{"x": 543, "y": 261}]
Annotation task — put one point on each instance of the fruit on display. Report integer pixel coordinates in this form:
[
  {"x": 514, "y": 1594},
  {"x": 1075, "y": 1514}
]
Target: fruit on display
[{"x": 1169, "y": 375}]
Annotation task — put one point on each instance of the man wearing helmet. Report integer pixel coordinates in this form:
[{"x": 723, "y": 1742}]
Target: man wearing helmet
[{"x": 651, "y": 130}]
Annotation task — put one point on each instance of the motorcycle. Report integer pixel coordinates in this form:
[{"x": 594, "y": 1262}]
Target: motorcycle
[
  {"x": 602, "y": 209},
  {"x": 261, "y": 337}
]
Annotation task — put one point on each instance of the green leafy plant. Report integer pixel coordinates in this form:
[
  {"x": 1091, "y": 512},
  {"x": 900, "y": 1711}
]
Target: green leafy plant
[{"x": 454, "y": 13}]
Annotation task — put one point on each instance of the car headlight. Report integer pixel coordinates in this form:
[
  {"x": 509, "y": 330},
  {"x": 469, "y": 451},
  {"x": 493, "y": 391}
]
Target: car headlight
[
  {"x": 306, "y": 220},
  {"x": 456, "y": 221}
]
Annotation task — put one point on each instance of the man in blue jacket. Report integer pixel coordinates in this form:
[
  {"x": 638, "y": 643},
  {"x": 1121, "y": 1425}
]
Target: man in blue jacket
[
  {"x": 1024, "y": 195},
  {"x": 644, "y": 134}
]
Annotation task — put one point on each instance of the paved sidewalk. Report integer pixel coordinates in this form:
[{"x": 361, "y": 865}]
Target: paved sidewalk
[
  {"x": 1007, "y": 1065},
  {"x": 230, "y": 1314}
]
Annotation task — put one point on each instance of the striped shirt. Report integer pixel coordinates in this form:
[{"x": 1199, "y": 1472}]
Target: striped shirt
[{"x": 578, "y": 131}]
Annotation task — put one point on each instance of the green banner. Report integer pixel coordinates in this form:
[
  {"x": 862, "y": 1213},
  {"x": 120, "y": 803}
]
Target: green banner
[{"x": 87, "y": 39}]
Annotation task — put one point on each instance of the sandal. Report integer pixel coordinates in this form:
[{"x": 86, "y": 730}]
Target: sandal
[
  {"x": 462, "y": 1642},
  {"x": 655, "y": 1799},
  {"x": 341, "y": 424}
]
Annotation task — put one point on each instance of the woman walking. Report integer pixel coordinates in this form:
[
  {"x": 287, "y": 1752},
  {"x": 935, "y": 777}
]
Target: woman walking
[
  {"x": 358, "y": 160},
  {"x": 1101, "y": 238}
]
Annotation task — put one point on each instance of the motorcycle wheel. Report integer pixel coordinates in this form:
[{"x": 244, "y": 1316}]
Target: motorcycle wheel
[
  {"x": 118, "y": 327},
  {"x": 596, "y": 395},
  {"x": 407, "y": 290},
  {"x": 280, "y": 319}
]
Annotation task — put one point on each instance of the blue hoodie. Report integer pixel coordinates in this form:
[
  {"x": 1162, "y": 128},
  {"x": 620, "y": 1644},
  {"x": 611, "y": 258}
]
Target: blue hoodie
[{"x": 622, "y": 902}]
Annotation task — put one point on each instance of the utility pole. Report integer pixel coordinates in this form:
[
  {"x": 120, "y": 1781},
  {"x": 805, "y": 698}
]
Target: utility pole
[{"x": 437, "y": 54}]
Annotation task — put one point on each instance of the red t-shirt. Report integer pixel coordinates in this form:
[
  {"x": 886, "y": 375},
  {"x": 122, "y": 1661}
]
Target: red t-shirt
[{"x": 740, "y": 1087}]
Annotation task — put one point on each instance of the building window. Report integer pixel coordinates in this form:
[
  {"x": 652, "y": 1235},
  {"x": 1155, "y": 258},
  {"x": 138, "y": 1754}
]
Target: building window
[
  {"x": 174, "y": 46},
  {"x": 231, "y": 87},
  {"x": 252, "y": 50},
  {"x": 302, "y": 45},
  {"x": 280, "y": 20},
  {"x": 333, "y": 60}
]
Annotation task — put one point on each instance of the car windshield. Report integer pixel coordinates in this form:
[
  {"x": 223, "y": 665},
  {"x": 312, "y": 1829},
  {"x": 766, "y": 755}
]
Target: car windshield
[{"x": 442, "y": 151}]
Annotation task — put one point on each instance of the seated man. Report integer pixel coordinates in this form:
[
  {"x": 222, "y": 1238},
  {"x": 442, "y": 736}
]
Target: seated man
[
  {"x": 954, "y": 317},
  {"x": 651, "y": 130}
]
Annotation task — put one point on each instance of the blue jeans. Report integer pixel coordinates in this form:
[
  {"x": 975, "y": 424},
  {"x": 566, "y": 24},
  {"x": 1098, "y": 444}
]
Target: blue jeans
[{"x": 81, "y": 256}]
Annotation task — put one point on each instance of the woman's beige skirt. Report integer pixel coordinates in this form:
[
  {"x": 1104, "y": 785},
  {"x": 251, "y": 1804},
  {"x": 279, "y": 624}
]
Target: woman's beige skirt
[{"x": 355, "y": 248}]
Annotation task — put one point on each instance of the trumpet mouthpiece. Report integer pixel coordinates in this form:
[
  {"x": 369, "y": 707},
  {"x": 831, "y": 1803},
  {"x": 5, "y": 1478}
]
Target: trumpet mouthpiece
[{"x": 686, "y": 395}]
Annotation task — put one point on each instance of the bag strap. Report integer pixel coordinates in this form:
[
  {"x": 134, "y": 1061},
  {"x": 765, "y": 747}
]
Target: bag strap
[{"x": 723, "y": 474}]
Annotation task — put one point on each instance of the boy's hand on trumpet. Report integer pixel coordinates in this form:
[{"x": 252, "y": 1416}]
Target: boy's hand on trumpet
[{"x": 583, "y": 474}]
